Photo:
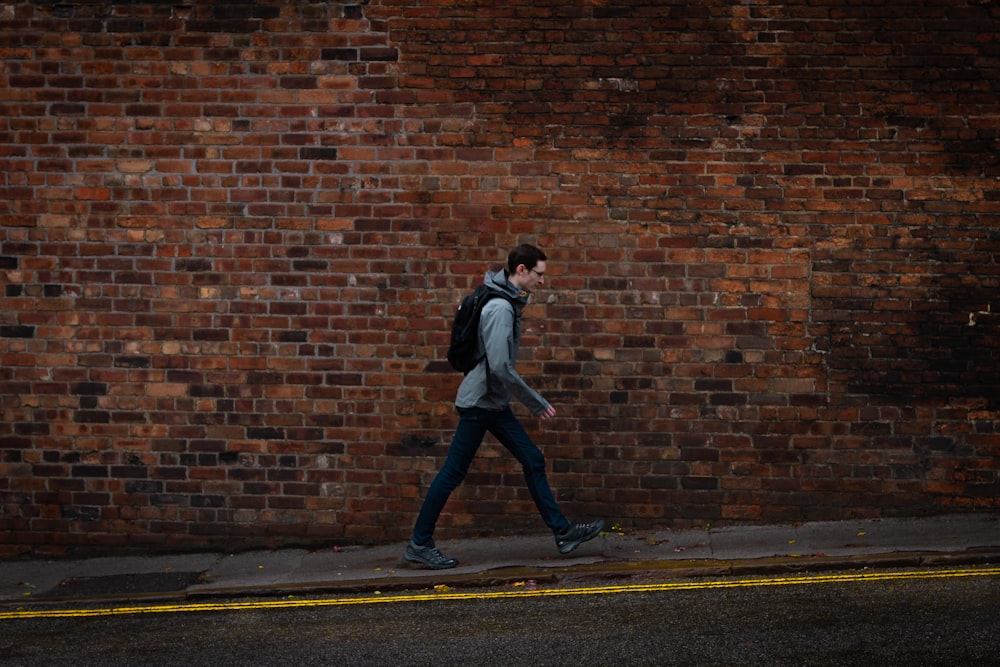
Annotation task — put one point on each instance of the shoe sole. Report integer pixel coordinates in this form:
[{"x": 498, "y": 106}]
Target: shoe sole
[{"x": 420, "y": 561}]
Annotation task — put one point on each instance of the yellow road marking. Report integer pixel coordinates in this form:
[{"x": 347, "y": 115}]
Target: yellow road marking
[{"x": 496, "y": 595}]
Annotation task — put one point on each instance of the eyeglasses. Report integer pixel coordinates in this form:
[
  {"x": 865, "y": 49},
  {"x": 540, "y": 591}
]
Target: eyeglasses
[{"x": 540, "y": 274}]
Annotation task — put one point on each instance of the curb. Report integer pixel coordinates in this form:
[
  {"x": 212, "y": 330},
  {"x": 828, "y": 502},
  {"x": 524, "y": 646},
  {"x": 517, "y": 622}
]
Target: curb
[
  {"x": 629, "y": 571},
  {"x": 664, "y": 569}
]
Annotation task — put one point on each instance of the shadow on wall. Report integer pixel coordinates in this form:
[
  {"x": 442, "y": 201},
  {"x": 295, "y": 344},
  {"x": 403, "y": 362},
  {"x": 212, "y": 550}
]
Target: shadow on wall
[{"x": 937, "y": 340}]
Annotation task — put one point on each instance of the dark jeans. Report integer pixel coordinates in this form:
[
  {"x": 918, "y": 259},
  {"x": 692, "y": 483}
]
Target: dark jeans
[{"x": 473, "y": 424}]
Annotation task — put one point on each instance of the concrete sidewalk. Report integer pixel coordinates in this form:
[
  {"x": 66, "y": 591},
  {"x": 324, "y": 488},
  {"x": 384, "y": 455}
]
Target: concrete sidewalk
[{"x": 947, "y": 540}]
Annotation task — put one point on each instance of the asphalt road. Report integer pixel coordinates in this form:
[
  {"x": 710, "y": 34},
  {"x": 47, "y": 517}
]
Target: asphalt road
[{"x": 910, "y": 618}]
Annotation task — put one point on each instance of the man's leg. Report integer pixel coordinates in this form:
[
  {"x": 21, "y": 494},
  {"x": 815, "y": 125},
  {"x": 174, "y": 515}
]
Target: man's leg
[
  {"x": 472, "y": 426},
  {"x": 568, "y": 535},
  {"x": 508, "y": 430}
]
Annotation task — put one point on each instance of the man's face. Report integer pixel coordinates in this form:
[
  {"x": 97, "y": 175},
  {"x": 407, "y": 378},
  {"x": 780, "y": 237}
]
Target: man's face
[{"x": 534, "y": 277}]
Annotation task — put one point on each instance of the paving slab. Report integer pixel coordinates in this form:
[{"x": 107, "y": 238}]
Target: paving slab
[
  {"x": 921, "y": 534},
  {"x": 250, "y": 569},
  {"x": 754, "y": 541}
]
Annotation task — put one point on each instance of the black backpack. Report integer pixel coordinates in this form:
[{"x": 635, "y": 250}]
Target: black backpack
[{"x": 465, "y": 328}]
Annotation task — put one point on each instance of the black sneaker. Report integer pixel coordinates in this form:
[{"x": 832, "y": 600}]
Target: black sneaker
[
  {"x": 429, "y": 555},
  {"x": 577, "y": 534}
]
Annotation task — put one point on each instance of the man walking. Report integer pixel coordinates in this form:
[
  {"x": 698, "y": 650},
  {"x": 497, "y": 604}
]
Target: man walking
[{"x": 483, "y": 404}]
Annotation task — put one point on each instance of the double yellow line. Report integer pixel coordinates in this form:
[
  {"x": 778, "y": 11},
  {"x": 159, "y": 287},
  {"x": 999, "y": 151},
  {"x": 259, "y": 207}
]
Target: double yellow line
[{"x": 293, "y": 603}]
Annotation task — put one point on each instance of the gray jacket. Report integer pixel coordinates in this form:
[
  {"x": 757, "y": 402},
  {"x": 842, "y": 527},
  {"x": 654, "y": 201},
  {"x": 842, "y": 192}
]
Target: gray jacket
[{"x": 494, "y": 380}]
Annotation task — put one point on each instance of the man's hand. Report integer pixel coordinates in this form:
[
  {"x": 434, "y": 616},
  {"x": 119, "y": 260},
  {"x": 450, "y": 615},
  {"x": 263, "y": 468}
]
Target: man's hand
[{"x": 549, "y": 413}]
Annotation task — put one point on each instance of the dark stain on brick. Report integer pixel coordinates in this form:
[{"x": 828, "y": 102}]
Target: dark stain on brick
[
  {"x": 330, "y": 420},
  {"x": 344, "y": 379},
  {"x": 193, "y": 264},
  {"x": 81, "y": 513},
  {"x": 379, "y": 53},
  {"x": 310, "y": 265},
  {"x": 31, "y": 428},
  {"x": 699, "y": 483},
  {"x": 89, "y": 388},
  {"x": 293, "y": 336},
  {"x": 312, "y": 434},
  {"x": 143, "y": 486},
  {"x": 297, "y": 82},
  {"x": 89, "y": 471},
  {"x": 727, "y": 398},
  {"x": 17, "y": 331},
  {"x": 317, "y": 153},
  {"x": 210, "y": 334},
  {"x": 169, "y": 499},
  {"x": 10, "y": 443},
  {"x": 289, "y": 280},
  {"x": 713, "y": 385},
  {"x": 132, "y": 362},
  {"x": 265, "y": 433},
  {"x": 68, "y": 109},
  {"x": 207, "y": 390},
  {"x": 346, "y": 54},
  {"x": 699, "y": 454},
  {"x": 184, "y": 376},
  {"x": 129, "y": 472},
  {"x": 341, "y": 111},
  {"x": 92, "y": 417},
  {"x": 208, "y": 501}
]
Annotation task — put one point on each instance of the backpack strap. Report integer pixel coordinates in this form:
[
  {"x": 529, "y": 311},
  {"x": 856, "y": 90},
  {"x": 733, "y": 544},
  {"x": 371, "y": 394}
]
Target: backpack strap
[{"x": 513, "y": 306}]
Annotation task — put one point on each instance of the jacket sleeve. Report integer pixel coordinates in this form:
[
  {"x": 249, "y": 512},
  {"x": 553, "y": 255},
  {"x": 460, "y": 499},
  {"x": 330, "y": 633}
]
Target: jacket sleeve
[{"x": 501, "y": 345}]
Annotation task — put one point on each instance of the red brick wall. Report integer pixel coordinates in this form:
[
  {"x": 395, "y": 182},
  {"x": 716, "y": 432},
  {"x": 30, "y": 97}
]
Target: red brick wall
[{"x": 233, "y": 235}]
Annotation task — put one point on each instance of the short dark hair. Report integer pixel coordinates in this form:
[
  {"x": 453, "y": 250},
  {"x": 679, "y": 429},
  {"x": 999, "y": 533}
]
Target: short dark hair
[{"x": 526, "y": 254}]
